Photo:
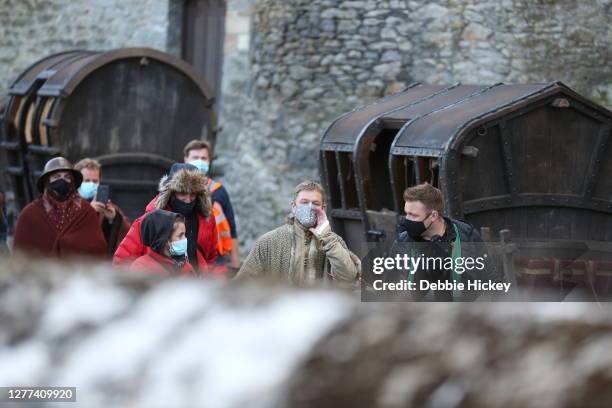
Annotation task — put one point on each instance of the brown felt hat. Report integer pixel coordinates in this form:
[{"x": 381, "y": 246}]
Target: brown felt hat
[{"x": 53, "y": 166}]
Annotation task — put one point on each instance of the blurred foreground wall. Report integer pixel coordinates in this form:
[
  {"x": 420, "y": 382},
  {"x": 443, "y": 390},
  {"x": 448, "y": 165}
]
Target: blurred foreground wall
[{"x": 126, "y": 340}]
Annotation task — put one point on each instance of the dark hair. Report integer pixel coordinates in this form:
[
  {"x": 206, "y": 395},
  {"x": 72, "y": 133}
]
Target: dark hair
[
  {"x": 179, "y": 218},
  {"x": 197, "y": 145}
]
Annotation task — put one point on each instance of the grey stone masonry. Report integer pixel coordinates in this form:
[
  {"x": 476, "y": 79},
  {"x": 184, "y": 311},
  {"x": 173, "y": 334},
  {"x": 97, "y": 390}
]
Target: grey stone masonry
[
  {"x": 312, "y": 60},
  {"x": 33, "y": 29}
]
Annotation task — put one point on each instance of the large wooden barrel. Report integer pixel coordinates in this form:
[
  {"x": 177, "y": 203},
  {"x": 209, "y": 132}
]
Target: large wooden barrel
[{"x": 134, "y": 109}]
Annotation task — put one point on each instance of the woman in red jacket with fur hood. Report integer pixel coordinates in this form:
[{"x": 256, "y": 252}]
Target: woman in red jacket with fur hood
[{"x": 182, "y": 191}]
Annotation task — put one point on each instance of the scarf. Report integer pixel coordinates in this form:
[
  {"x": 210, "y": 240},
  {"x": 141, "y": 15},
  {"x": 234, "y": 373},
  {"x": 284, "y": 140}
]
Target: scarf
[
  {"x": 307, "y": 261},
  {"x": 61, "y": 212}
]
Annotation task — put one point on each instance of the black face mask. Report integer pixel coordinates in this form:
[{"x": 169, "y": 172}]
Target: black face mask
[
  {"x": 61, "y": 187},
  {"x": 182, "y": 207},
  {"x": 414, "y": 228}
]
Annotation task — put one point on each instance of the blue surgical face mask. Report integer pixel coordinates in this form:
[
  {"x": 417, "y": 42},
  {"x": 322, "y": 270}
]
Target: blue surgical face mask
[
  {"x": 201, "y": 165},
  {"x": 178, "y": 247},
  {"x": 88, "y": 189}
]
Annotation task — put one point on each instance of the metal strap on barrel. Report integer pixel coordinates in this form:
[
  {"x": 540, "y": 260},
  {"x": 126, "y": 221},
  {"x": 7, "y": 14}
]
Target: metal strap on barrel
[
  {"x": 43, "y": 150},
  {"x": 15, "y": 170},
  {"x": 9, "y": 145}
]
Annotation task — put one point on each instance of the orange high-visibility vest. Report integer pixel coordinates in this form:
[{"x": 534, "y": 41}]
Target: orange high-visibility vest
[{"x": 224, "y": 234}]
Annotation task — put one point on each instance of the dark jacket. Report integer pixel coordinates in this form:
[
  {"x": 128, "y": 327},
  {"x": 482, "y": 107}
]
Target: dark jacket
[
  {"x": 3, "y": 225},
  {"x": 117, "y": 230},
  {"x": 472, "y": 246}
]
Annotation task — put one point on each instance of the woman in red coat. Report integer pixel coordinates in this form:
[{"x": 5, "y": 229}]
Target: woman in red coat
[
  {"x": 182, "y": 191},
  {"x": 163, "y": 232},
  {"x": 59, "y": 223}
]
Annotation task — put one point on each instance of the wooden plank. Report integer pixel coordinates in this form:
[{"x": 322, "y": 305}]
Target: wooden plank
[
  {"x": 560, "y": 224},
  {"x": 537, "y": 227},
  {"x": 348, "y": 179},
  {"x": 340, "y": 180},
  {"x": 601, "y": 144},
  {"x": 507, "y": 251},
  {"x": 534, "y": 159},
  {"x": 203, "y": 37},
  {"x": 597, "y": 230},
  {"x": 476, "y": 178},
  {"x": 422, "y": 170},
  {"x": 331, "y": 173},
  {"x": 42, "y": 128}
]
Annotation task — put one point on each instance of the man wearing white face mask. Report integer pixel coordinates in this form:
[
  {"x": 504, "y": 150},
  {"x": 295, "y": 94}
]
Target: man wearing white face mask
[
  {"x": 114, "y": 223},
  {"x": 305, "y": 249}
]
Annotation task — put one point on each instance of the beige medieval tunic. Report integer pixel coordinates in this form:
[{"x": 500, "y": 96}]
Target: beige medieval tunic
[{"x": 293, "y": 254}]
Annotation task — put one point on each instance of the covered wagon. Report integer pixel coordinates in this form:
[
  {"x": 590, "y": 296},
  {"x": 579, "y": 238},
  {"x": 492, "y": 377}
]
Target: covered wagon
[{"x": 532, "y": 159}]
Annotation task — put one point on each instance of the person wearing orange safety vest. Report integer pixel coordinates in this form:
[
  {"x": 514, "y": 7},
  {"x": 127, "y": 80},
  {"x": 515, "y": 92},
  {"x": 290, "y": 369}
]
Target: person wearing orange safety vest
[
  {"x": 199, "y": 153},
  {"x": 224, "y": 233}
]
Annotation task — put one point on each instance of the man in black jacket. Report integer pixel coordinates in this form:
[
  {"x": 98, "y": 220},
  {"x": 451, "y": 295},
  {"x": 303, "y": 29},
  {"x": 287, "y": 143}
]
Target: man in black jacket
[{"x": 452, "y": 252}]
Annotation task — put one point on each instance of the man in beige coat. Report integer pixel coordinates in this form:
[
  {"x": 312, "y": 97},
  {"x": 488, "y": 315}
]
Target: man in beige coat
[{"x": 305, "y": 249}]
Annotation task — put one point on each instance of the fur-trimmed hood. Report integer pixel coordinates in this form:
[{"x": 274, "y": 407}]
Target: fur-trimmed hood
[{"x": 185, "y": 181}]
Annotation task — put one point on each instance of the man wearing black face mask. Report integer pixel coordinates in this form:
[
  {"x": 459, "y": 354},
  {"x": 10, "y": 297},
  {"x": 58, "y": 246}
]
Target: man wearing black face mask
[
  {"x": 59, "y": 222},
  {"x": 182, "y": 191},
  {"x": 425, "y": 232}
]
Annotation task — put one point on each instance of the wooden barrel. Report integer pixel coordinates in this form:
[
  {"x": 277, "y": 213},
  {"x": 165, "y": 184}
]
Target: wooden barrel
[{"x": 134, "y": 109}]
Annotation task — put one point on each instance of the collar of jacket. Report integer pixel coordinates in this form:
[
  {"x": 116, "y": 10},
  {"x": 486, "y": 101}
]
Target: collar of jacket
[{"x": 162, "y": 259}]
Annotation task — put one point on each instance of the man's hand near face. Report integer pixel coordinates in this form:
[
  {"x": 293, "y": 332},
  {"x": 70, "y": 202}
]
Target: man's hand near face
[{"x": 322, "y": 222}]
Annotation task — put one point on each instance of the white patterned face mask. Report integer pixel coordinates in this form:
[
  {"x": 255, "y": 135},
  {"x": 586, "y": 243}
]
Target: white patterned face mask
[{"x": 306, "y": 215}]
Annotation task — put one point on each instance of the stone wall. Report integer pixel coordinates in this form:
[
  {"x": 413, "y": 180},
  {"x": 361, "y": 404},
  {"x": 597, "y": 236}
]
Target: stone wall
[
  {"x": 235, "y": 78},
  {"x": 293, "y": 66},
  {"x": 33, "y": 29},
  {"x": 312, "y": 60}
]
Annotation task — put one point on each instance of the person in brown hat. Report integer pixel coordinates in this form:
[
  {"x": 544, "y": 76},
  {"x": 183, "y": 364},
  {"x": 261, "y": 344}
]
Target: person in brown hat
[{"x": 59, "y": 223}]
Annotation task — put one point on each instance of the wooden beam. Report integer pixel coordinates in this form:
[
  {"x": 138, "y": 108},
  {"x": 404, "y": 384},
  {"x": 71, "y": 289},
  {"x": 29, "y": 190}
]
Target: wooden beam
[
  {"x": 509, "y": 168},
  {"x": 603, "y": 139}
]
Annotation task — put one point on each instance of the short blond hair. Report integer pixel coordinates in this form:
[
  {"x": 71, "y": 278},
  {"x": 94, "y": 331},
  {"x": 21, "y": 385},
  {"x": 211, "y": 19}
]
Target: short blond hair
[
  {"x": 88, "y": 163},
  {"x": 309, "y": 185},
  {"x": 430, "y": 196}
]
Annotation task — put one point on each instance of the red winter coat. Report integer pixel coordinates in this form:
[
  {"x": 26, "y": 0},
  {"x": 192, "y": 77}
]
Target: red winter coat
[
  {"x": 156, "y": 263},
  {"x": 80, "y": 236},
  {"x": 132, "y": 247}
]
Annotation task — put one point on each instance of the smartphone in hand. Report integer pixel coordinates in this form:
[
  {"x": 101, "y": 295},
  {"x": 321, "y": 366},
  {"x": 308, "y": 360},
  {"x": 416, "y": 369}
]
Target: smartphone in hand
[{"x": 102, "y": 195}]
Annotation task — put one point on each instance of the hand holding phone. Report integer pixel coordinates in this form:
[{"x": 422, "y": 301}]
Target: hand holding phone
[{"x": 102, "y": 195}]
